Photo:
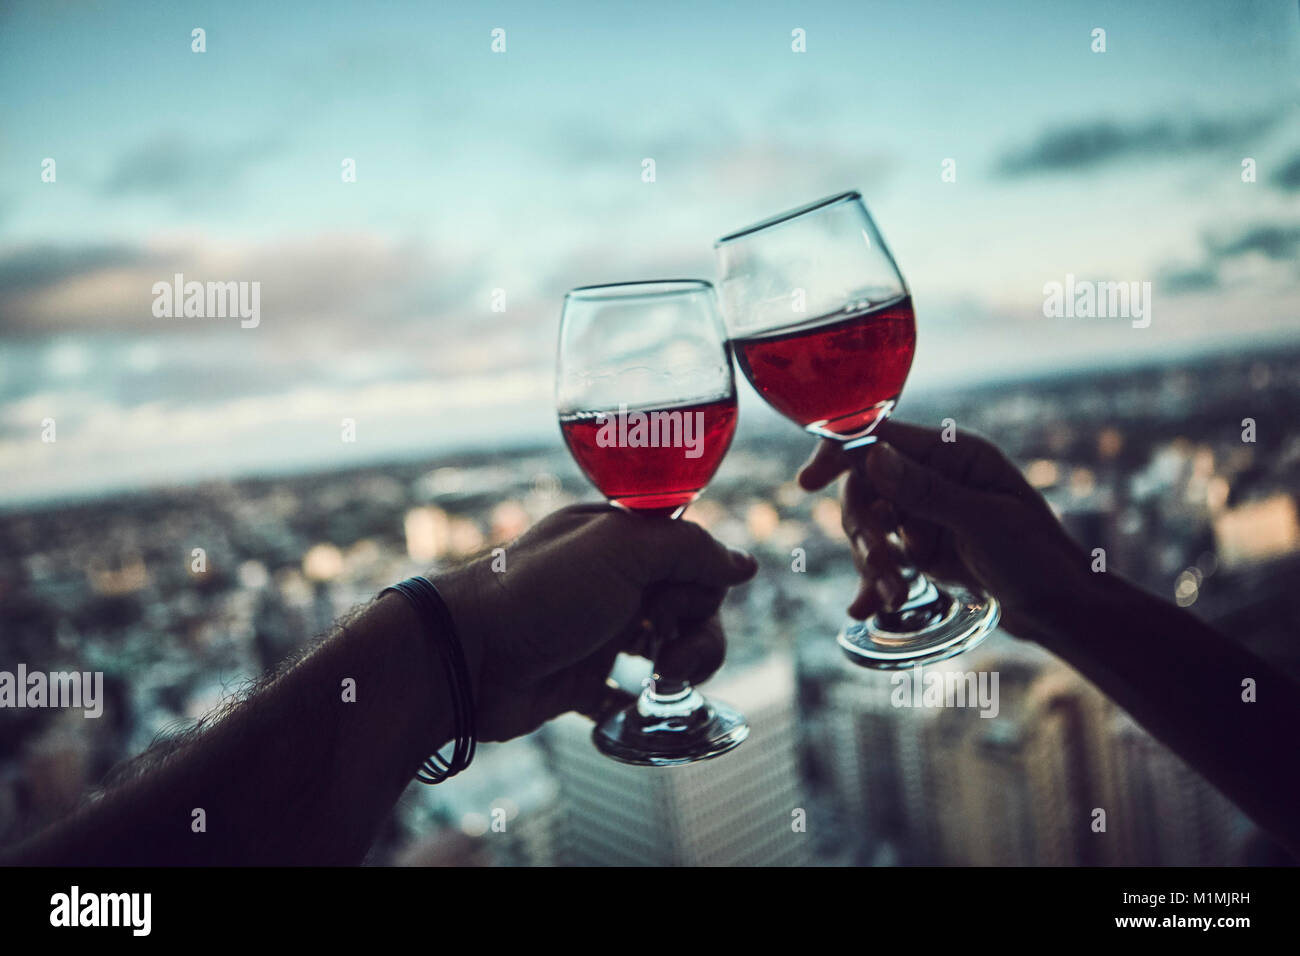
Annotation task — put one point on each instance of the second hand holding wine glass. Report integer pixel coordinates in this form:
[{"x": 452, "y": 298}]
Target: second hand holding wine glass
[
  {"x": 822, "y": 325},
  {"x": 647, "y": 405}
]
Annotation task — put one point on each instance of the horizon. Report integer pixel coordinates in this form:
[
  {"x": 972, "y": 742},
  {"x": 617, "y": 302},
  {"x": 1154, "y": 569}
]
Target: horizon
[{"x": 756, "y": 422}]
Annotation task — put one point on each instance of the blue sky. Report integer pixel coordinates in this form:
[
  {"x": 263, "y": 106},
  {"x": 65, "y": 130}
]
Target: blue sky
[{"x": 522, "y": 171}]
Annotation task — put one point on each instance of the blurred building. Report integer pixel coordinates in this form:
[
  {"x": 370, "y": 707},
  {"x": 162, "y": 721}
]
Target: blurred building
[
  {"x": 504, "y": 811},
  {"x": 1009, "y": 789},
  {"x": 877, "y": 764},
  {"x": 735, "y": 810},
  {"x": 945, "y": 785},
  {"x": 1169, "y": 814}
]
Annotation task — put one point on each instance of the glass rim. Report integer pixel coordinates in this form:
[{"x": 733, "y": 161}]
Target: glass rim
[
  {"x": 784, "y": 217},
  {"x": 641, "y": 289}
]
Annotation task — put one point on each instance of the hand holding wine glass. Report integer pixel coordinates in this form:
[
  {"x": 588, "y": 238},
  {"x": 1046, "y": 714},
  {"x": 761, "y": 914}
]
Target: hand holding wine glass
[
  {"x": 964, "y": 514},
  {"x": 647, "y": 405},
  {"x": 541, "y": 637},
  {"x": 823, "y": 327}
]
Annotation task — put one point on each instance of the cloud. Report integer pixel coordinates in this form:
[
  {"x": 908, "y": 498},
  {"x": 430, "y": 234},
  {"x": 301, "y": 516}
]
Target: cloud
[
  {"x": 1288, "y": 177},
  {"x": 170, "y": 439},
  {"x": 1088, "y": 145},
  {"x": 174, "y": 165},
  {"x": 1270, "y": 240},
  {"x": 709, "y": 149},
  {"x": 1177, "y": 281},
  {"x": 340, "y": 286},
  {"x": 1274, "y": 242},
  {"x": 32, "y": 268}
]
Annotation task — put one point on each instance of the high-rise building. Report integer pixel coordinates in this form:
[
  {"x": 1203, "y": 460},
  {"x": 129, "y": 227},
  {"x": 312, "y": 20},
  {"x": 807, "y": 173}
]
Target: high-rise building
[
  {"x": 1172, "y": 816},
  {"x": 745, "y": 808},
  {"x": 945, "y": 784},
  {"x": 1010, "y": 785},
  {"x": 875, "y": 761}
]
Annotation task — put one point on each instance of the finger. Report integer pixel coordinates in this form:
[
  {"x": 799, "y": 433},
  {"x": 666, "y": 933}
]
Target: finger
[
  {"x": 827, "y": 462},
  {"x": 979, "y": 463},
  {"x": 694, "y": 655},
  {"x": 670, "y": 603},
  {"x": 914, "y": 489},
  {"x": 663, "y": 607},
  {"x": 860, "y": 548},
  {"x": 878, "y": 548},
  {"x": 882, "y": 525},
  {"x": 881, "y": 588},
  {"x": 892, "y": 590},
  {"x": 885, "y": 559},
  {"x": 602, "y": 698},
  {"x": 683, "y": 552},
  {"x": 882, "y": 572},
  {"x": 857, "y": 509},
  {"x": 638, "y": 637},
  {"x": 881, "y": 518},
  {"x": 879, "y": 522},
  {"x": 915, "y": 441},
  {"x": 878, "y": 564},
  {"x": 867, "y": 602},
  {"x": 923, "y": 541},
  {"x": 694, "y": 601}
]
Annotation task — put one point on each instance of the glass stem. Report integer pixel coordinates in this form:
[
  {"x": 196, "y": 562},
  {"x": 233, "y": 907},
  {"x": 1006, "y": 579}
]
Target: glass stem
[
  {"x": 666, "y": 698},
  {"x": 920, "y": 589},
  {"x": 925, "y": 604}
]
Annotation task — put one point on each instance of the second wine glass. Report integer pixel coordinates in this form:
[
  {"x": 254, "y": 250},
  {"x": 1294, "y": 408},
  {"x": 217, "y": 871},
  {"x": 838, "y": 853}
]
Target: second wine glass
[
  {"x": 647, "y": 405},
  {"x": 822, "y": 325}
]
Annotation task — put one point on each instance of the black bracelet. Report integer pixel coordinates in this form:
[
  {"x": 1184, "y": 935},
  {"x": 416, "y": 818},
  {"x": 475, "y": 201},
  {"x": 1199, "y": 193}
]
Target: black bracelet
[{"x": 432, "y": 611}]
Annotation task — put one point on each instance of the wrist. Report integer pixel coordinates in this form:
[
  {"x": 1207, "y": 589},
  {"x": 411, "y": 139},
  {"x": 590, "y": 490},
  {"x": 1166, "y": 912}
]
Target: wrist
[
  {"x": 443, "y": 662},
  {"x": 1070, "y": 613},
  {"x": 463, "y": 592},
  {"x": 400, "y": 643}
]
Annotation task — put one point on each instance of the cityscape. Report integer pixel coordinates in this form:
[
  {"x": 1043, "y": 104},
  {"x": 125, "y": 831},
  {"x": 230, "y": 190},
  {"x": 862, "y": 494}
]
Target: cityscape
[{"x": 1185, "y": 473}]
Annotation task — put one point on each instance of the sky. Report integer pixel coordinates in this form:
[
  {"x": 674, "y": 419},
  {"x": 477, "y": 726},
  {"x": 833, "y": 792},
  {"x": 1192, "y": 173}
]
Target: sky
[{"x": 522, "y": 171}]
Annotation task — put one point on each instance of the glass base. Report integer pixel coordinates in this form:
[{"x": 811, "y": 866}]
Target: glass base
[
  {"x": 665, "y": 730},
  {"x": 955, "y": 620},
  {"x": 854, "y": 431}
]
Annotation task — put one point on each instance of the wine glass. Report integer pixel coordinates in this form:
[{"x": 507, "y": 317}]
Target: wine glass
[
  {"x": 821, "y": 323},
  {"x": 647, "y": 405}
]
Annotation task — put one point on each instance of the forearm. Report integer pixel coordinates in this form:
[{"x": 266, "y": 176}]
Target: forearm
[
  {"x": 302, "y": 772},
  {"x": 1184, "y": 683}
]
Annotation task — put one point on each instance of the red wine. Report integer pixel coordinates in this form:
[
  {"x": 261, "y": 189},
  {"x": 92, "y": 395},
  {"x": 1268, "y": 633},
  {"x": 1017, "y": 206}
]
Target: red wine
[
  {"x": 834, "y": 375},
  {"x": 651, "y": 460}
]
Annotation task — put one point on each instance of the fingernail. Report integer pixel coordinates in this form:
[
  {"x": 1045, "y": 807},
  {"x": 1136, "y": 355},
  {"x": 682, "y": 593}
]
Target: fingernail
[{"x": 859, "y": 544}]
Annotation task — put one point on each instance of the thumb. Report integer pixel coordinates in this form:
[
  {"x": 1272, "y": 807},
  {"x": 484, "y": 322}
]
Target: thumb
[
  {"x": 827, "y": 462},
  {"x": 921, "y": 491}
]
